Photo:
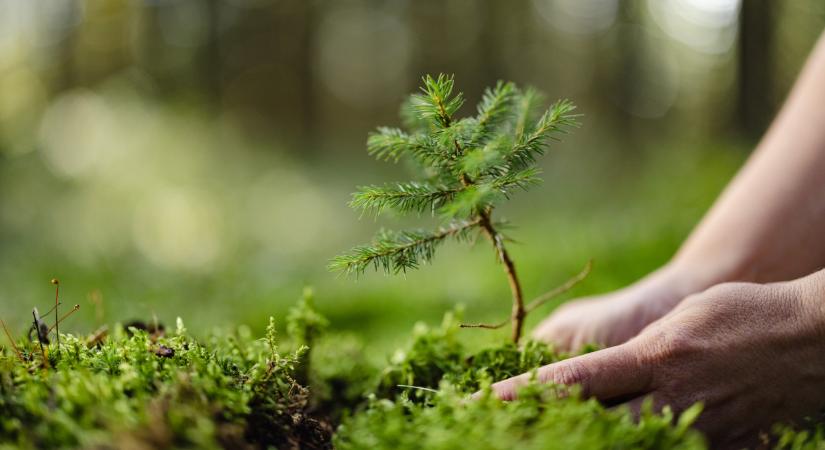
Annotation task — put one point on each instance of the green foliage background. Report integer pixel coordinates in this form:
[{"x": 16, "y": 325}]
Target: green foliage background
[{"x": 195, "y": 159}]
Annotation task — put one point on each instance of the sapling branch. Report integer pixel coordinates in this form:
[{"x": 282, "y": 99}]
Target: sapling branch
[
  {"x": 518, "y": 313},
  {"x": 540, "y": 300},
  {"x": 569, "y": 284},
  {"x": 472, "y": 163},
  {"x": 396, "y": 252}
]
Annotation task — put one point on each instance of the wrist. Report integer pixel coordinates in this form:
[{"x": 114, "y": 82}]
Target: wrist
[
  {"x": 687, "y": 279},
  {"x": 701, "y": 270},
  {"x": 670, "y": 284}
]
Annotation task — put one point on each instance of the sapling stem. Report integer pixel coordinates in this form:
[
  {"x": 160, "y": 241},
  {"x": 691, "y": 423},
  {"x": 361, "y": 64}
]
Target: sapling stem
[
  {"x": 518, "y": 313},
  {"x": 483, "y": 218}
]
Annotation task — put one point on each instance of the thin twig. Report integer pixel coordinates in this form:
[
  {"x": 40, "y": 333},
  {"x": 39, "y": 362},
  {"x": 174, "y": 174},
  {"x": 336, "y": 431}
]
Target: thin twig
[
  {"x": 417, "y": 387},
  {"x": 538, "y": 301},
  {"x": 56, "y": 284},
  {"x": 51, "y": 309},
  {"x": 569, "y": 284},
  {"x": 485, "y": 325},
  {"x": 76, "y": 307},
  {"x": 98, "y": 336},
  {"x": 13, "y": 345}
]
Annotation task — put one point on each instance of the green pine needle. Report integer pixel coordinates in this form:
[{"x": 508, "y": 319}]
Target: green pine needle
[
  {"x": 402, "y": 197},
  {"x": 473, "y": 163},
  {"x": 495, "y": 107},
  {"x": 478, "y": 197},
  {"x": 396, "y": 251},
  {"x": 557, "y": 119},
  {"x": 437, "y": 102},
  {"x": 391, "y": 144},
  {"x": 489, "y": 159},
  {"x": 528, "y": 103}
]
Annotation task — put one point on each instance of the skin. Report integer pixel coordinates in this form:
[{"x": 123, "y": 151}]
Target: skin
[
  {"x": 751, "y": 351},
  {"x": 765, "y": 227}
]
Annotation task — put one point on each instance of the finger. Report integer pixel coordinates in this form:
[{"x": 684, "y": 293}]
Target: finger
[
  {"x": 606, "y": 374},
  {"x": 579, "y": 341},
  {"x": 559, "y": 341},
  {"x": 551, "y": 333}
]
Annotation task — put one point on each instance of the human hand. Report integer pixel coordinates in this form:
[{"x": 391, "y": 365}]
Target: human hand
[
  {"x": 613, "y": 318},
  {"x": 753, "y": 354}
]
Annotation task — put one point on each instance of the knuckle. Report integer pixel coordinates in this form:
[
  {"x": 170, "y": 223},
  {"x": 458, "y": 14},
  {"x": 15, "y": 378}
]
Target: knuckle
[
  {"x": 718, "y": 291},
  {"x": 729, "y": 289},
  {"x": 679, "y": 342},
  {"x": 546, "y": 331},
  {"x": 505, "y": 393},
  {"x": 568, "y": 373},
  {"x": 564, "y": 314},
  {"x": 558, "y": 333},
  {"x": 664, "y": 343}
]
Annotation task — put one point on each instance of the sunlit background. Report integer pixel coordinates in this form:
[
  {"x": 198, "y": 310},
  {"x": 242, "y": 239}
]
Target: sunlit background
[{"x": 170, "y": 158}]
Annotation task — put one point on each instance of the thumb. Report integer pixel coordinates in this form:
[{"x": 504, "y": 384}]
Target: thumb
[{"x": 612, "y": 373}]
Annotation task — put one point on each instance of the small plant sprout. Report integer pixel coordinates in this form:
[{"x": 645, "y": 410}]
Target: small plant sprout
[
  {"x": 62, "y": 318},
  {"x": 41, "y": 330},
  {"x": 469, "y": 166},
  {"x": 11, "y": 340},
  {"x": 56, "y": 284}
]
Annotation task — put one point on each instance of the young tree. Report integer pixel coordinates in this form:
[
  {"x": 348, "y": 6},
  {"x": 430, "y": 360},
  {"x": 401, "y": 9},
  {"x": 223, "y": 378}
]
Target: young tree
[{"x": 469, "y": 166}]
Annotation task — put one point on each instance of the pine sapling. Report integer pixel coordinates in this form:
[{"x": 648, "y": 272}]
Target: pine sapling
[{"x": 468, "y": 166}]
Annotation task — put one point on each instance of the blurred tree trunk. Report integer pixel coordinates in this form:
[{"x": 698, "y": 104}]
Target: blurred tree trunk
[
  {"x": 490, "y": 40},
  {"x": 621, "y": 74},
  {"x": 755, "y": 108},
  {"x": 306, "y": 54},
  {"x": 211, "y": 66}
]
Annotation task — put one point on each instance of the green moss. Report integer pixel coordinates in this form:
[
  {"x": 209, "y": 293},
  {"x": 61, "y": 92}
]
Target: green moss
[
  {"x": 809, "y": 435},
  {"x": 437, "y": 355},
  {"x": 342, "y": 376},
  {"x": 230, "y": 390},
  {"x": 423, "y": 401},
  {"x": 539, "y": 420}
]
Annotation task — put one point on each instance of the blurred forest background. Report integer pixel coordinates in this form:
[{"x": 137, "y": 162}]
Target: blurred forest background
[{"x": 194, "y": 159}]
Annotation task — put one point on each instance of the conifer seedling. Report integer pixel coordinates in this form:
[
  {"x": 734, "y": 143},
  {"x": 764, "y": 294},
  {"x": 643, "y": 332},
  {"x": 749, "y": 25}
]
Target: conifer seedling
[{"x": 468, "y": 166}]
